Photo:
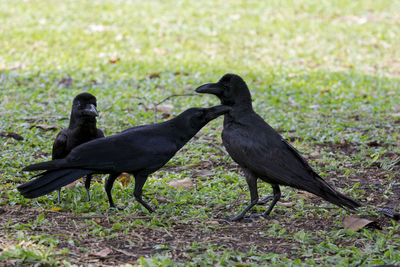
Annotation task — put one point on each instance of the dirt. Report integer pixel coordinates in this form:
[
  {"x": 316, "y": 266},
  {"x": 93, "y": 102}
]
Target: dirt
[{"x": 178, "y": 239}]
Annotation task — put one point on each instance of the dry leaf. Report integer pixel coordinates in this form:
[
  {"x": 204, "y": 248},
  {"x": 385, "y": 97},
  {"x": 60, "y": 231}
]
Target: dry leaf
[
  {"x": 44, "y": 127},
  {"x": 184, "y": 183},
  {"x": 66, "y": 81},
  {"x": 11, "y": 135},
  {"x": 124, "y": 179},
  {"x": 305, "y": 195},
  {"x": 114, "y": 60},
  {"x": 355, "y": 223},
  {"x": 286, "y": 204},
  {"x": 103, "y": 253},
  {"x": 162, "y": 199},
  {"x": 72, "y": 185},
  {"x": 160, "y": 108},
  {"x": 154, "y": 75},
  {"x": 164, "y": 108},
  {"x": 56, "y": 209},
  {"x": 203, "y": 173}
]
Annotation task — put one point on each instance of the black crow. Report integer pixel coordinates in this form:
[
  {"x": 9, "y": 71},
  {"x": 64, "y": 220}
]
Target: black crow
[
  {"x": 139, "y": 151},
  {"x": 262, "y": 152},
  {"x": 81, "y": 129}
]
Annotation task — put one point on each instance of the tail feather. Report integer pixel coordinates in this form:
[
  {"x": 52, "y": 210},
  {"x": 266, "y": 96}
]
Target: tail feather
[
  {"x": 50, "y": 181},
  {"x": 48, "y": 165},
  {"x": 329, "y": 194}
]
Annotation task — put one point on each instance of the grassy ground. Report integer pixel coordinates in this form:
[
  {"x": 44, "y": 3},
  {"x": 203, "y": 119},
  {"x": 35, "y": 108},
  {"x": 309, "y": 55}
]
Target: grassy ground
[{"x": 324, "y": 73}]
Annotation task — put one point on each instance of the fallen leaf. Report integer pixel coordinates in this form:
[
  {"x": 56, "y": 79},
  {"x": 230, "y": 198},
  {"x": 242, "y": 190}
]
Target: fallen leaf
[
  {"x": 202, "y": 173},
  {"x": 66, "y": 81},
  {"x": 396, "y": 115},
  {"x": 184, "y": 183},
  {"x": 162, "y": 199},
  {"x": 286, "y": 204},
  {"x": 114, "y": 60},
  {"x": 154, "y": 75},
  {"x": 103, "y": 253},
  {"x": 314, "y": 154},
  {"x": 72, "y": 185},
  {"x": 315, "y": 106},
  {"x": 56, "y": 209},
  {"x": 160, "y": 51},
  {"x": 164, "y": 108},
  {"x": 373, "y": 143},
  {"x": 160, "y": 108},
  {"x": 355, "y": 223},
  {"x": 98, "y": 220},
  {"x": 45, "y": 127},
  {"x": 165, "y": 115},
  {"x": 305, "y": 195},
  {"x": 124, "y": 179},
  {"x": 11, "y": 135}
]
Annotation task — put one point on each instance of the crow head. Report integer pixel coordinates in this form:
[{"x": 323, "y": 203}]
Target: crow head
[
  {"x": 84, "y": 106},
  {"x": 230, "y": 89},
  {"x": 193, "y": 119}
]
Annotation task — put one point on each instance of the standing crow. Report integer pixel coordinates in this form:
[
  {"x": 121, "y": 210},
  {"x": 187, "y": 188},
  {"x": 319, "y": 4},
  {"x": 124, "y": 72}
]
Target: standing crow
[
  {"x": 81, "y": 129},
  {"x": 262, "y": 152},
  {"x": 139, "y": 150}
]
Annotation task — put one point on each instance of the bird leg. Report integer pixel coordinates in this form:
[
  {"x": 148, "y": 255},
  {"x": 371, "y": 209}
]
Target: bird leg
[
  {"x": 276, "y": 197},
  {"x": 108, "y": 186},
  {"x": 59, "y": 195},
  {"x": 252, "y": 184},
  {"x": 140, "y": 180},
  {"x": 87, "y": 186}
]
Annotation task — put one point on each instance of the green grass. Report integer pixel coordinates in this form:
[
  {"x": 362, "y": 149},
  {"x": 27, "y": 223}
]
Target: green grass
[{"x": 325, "y": 73}]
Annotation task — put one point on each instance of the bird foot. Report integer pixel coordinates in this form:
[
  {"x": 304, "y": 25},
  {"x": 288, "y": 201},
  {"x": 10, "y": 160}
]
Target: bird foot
[
  {"x": 115, "y": 208},
  {"x": 264, "y": 200}
]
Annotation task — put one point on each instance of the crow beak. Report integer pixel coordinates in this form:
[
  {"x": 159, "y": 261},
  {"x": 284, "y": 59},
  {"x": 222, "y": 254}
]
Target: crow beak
[
  {"x": 217, "y": 111},
  {"x": 210, "y": 88},
  {"x": 90, "y": 110}
]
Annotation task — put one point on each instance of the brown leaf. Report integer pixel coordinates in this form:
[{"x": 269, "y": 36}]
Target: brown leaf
[
  {"x": 160, "y": 108},
  {"x": 202, "y": 173},
  {"x": 124, "y": 179},
  {"x": 286, "y": 204},
  {"x": 11, "y": 135},
  {"x": 164, "y": 108},
  {"x": 114, "y": 60},
  {"x": 165, "y": 115},
  {"x": 373, "y": 143},
  {"x": 162, "y": 199},
  {"x": 45, "y": 127},
  {"x": 184, "y": 183},
  {"x": 305, "y": 195},
  {"x": 66, "y": 81},
  {"x": 154, "y": 75},
  {"x": 103, "y": 253},
  {"x": 355, "y": 223},
  {"x": 72, "y": 185}
]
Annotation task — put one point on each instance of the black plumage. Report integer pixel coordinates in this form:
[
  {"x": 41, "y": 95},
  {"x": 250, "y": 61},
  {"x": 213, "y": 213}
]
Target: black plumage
[
  {"x": 81, "y": 129},
  {"x": 262, "y": 152},
  {"x": 140, "y": 151}
]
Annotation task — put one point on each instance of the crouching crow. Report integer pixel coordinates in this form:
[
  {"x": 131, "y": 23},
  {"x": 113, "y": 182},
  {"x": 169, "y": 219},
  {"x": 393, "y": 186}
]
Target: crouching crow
[
  {"x": 139, "y": 150},
  {"x": 262, "y": 152},
  {"x": 81, "y": 129}
]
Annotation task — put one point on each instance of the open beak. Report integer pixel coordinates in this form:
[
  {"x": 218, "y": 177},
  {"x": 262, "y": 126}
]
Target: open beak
[
  {"x": 217, "y": 111},
  {"x": 90, "y": 110},
  {"x": 210, "y": 88}
]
